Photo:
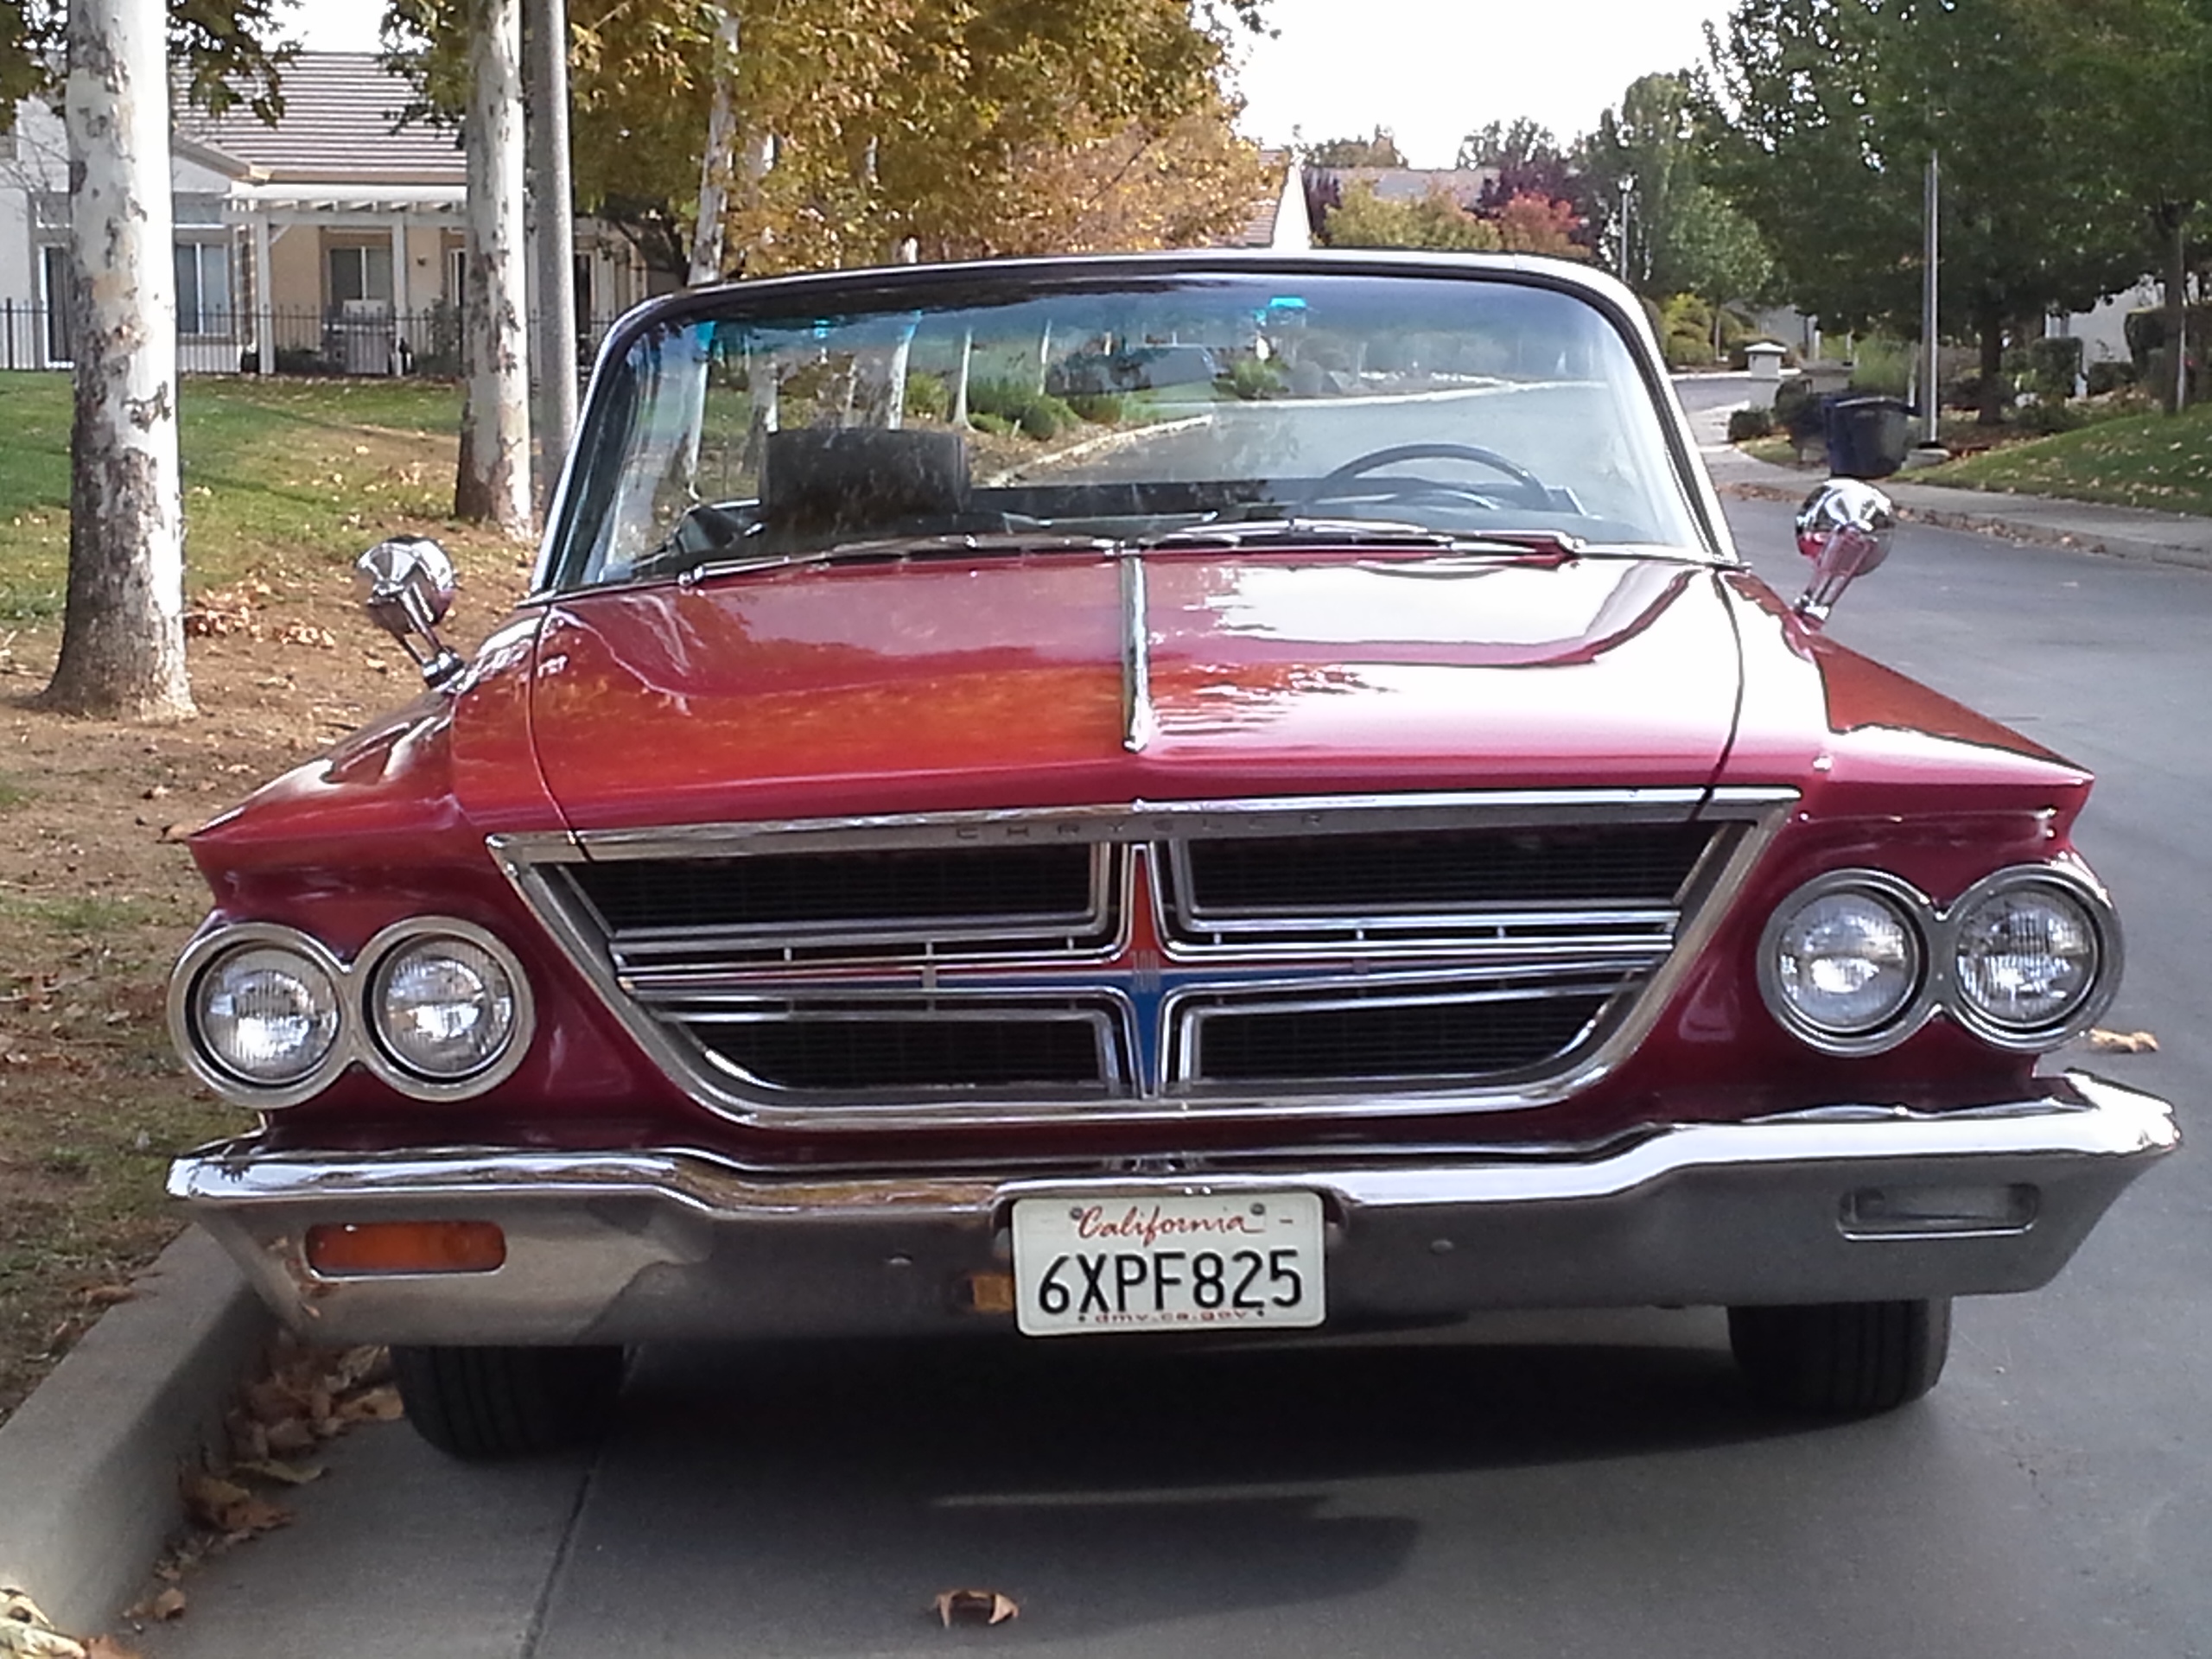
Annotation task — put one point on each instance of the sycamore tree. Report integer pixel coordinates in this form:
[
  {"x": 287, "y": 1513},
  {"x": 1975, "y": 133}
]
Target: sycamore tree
[
  {"x": 1822, "y": 117},
  {"x": 968, "y": 127},
  {"x": 2146, "y": 67},
  {"x": 108, "y": 64}
]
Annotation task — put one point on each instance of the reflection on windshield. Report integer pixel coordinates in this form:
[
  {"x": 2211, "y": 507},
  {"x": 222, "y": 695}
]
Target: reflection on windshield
[{"x": 1463, "y": 408}]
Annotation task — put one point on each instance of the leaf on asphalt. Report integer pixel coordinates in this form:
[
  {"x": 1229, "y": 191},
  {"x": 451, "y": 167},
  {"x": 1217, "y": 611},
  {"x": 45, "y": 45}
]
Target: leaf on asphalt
[
  {"x": 2123, "y": 1042},
  {"x": 106, "y": 1647},
  {"x": 177, "y": 832},
  {"x": 167, "y": 1604},
  {"x": 107, "y": 1295},
  {"x": 225, "y": 1506},
  {"x": 975, "y": 1607},
  {"x": 378, "y": 1405}
]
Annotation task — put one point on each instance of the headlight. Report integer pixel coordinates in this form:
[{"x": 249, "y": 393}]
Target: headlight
[
  {"x": 2025, "y": 959},
  {"x": 266, "y": 1013},
  {"x": 443, "y": 1006},
  {"x": 1842, "y": 961}
]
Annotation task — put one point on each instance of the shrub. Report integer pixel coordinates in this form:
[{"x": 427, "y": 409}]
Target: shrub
[
  {"x": 1251, "y": 380},
  {"x": 1882, "y": 367},
  {"x": 1747, "y": 424},
  {"x": 927, "y": 397},
  {"x": 2047, "y": 418},
  {"x": 1099, "y": 408},
  {"x": 2050, "y": 366},
  {"x": 2109, "y": 376},
  {"x": 1037, "y": 414},
  {"x": 997, "y": 425}
]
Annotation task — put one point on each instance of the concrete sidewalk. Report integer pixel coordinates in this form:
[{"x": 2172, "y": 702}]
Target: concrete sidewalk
[{"x": 2118, "y": 532}]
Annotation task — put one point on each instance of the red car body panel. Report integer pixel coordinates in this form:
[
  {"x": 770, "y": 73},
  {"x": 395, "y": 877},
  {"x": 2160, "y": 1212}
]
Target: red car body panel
[
  {"x": 814, "y": 692},
  {"x": 811, "y": 693}
]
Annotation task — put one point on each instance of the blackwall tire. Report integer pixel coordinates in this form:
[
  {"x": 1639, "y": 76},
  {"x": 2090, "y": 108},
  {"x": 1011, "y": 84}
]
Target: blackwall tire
[
  {"x": 480, "y": 1403},
  {"x": 1841, "y": 1358}
]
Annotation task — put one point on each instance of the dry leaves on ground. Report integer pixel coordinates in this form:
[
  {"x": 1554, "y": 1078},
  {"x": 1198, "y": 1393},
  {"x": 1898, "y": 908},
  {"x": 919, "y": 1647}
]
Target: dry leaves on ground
[
  {"x": 975, "y": 1607},
  {"x": 27, "y": 1633},
  {"x": 2123, "y": 1042}
]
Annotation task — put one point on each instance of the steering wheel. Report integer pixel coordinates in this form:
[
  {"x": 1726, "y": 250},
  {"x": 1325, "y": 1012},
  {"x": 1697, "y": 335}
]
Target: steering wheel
[{"x": 1528, "y": 489}]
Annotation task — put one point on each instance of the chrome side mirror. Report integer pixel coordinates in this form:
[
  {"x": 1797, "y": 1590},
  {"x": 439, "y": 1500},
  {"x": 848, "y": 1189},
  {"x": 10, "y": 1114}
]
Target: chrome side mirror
[
  {"x": 407, "y": 586},
  {"x": 1844, "y": 529}
]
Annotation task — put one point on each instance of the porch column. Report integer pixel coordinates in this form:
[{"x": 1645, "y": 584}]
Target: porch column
[
  {"x": 399, "y": 305},
  {"x": 265, "y": 302}
]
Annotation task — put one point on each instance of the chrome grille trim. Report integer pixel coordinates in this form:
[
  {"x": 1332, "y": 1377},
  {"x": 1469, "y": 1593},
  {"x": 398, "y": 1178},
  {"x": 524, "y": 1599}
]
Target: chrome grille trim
[
  {"x": 782, "y": 946},
  {"x": 1648, "y": 969}
]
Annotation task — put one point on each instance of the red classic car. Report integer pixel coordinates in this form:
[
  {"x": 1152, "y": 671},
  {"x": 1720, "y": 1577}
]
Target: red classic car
[{"x": 1202, "y": 794}]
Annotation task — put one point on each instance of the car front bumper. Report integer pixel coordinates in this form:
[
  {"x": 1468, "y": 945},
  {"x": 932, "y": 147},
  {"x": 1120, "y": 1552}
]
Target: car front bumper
[{"x": 1836, "y": 1205}]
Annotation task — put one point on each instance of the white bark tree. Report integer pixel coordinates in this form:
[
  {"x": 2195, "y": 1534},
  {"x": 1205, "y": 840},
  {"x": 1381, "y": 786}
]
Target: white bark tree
[
  {"x": 553, "y": 242},
  {"x": 122, "y": 630},
  {"x": 493, "y": 482},
  {"x": 720, "y": 161}
]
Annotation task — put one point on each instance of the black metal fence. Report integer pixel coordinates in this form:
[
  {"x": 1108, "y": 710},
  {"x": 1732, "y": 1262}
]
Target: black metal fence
[{"x": 354, "y": 338}]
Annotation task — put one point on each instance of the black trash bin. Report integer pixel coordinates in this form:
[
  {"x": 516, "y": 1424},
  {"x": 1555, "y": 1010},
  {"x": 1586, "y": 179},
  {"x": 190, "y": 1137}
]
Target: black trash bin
[{"x": 1868, "y": 437}]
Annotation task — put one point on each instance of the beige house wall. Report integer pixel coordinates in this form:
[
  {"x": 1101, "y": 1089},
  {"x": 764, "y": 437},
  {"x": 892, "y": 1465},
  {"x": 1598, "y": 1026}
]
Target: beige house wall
[{"x": 295, "y": 269}]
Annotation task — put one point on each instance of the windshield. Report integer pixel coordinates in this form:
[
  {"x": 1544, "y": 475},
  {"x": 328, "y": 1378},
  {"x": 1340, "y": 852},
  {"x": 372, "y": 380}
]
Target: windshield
[{"x": 1245, "y": 404}]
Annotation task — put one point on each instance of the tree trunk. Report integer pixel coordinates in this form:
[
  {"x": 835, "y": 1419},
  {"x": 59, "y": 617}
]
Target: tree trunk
[
  {"x": 554, "y": 244},
  {"x": 1989, "y": 326},
  {"x": 716, "y": 164},
  {"x": 493, "y": 482},
  {"x": 2175, "y": 391},
  {"x": 122, "y": 630}
]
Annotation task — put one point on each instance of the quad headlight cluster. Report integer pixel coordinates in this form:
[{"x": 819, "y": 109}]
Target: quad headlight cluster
[
  {"x": 1856, "y": 961},
  {"x": 437, "y": 1008}
]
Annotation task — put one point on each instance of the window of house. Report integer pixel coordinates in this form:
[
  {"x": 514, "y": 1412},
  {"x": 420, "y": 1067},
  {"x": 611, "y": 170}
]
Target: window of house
[
  {"x": 203, "y": 288},
  {"x": 61, "y": 319},
  {"x": 360, "y": 273}
]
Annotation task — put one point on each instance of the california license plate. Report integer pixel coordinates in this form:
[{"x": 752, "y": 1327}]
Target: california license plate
[{"x": 1182, "y": 1262}]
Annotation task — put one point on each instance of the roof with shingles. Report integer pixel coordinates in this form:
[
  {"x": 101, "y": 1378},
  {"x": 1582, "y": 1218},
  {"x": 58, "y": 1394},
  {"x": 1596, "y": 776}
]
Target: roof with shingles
[{"x": 341, "y": 125}]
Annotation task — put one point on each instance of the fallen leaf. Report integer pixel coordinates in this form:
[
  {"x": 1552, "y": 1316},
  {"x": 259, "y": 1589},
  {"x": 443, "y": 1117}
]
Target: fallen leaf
[
  {"x": 107, "y": 1295},
  {"x": 284, "y": 1474},
  {"x": 225, "y": 1506},
  {"x": 177, "y": 832},
  {"x": 26, "y": 1631},
  {"x": 377, "y": 1405},
  {"x": 168, "y": 1605},
  {"x": 155, "y": 794},
  {"x": 2123, "y": 1042},
  {"x": 106, "y": 1647},
  {"x": 976, "y": 1607}
]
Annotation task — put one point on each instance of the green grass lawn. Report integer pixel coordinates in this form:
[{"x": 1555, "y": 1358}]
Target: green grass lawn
[
  {"x": 2137, "y": 461},
  {"x": 273, "y": 469}
]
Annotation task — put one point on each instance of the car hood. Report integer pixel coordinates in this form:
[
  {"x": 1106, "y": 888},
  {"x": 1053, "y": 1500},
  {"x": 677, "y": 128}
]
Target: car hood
[{"x": 826, "y": 690}]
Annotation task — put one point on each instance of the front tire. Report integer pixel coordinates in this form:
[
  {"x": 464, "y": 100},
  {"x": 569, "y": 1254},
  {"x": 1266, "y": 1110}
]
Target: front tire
[
  {"x": 1841, "y": 1358},
  {"x": 480, "y": 1403}
]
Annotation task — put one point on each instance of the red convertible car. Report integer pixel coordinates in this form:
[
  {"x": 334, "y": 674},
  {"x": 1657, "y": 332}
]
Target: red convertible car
[{"x": 1201, "y": 794}]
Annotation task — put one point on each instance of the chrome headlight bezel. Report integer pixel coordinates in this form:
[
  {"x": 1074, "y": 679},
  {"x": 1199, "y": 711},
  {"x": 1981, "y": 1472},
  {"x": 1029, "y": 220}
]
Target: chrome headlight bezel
[
  {"x": 1912, "y": 909},
  {"x": 355, "y": 983},
  {"x": 1938, "y": 928},
  {"x": 371, "y": 970},
  {"x": 190, "y": 974},
  {"x": 2096, "y": 905}
]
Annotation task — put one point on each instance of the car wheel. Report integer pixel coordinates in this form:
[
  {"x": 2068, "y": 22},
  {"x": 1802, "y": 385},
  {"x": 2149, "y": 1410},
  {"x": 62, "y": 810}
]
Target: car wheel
[
  {"x": 1841, "y": 1358},
  {"x": 506, "y": 1402}
]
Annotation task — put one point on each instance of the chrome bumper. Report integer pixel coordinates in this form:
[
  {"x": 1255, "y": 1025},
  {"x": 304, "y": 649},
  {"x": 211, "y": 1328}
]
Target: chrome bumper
[{"x": 1838, "y": 1204}]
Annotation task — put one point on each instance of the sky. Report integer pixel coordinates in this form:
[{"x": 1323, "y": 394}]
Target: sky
[{"x": 1429, "y": 70}]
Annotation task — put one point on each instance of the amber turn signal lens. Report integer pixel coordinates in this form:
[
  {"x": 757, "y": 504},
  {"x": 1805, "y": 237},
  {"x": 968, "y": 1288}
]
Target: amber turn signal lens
[{"x": 372, "y": 1246}]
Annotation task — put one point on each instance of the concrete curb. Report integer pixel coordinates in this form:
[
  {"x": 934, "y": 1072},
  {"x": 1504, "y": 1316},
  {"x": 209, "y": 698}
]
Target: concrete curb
[
  {"x": 2104, "y": 541},
  {"x": 89, "y": 1463}
]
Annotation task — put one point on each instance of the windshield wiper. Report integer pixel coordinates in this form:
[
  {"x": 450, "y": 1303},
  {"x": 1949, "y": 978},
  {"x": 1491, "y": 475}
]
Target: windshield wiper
[
  {"x": 898, "y": 549},
  {"x": 1363, "y": 532}
]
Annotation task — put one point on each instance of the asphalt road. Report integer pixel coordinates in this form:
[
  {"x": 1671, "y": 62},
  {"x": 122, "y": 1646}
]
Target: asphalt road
[{"x": 1586, "y": 1487}]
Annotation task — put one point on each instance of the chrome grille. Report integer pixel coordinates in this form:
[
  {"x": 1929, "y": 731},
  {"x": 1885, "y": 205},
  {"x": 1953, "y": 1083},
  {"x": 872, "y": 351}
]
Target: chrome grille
[{"x": 1301, "y": 956}]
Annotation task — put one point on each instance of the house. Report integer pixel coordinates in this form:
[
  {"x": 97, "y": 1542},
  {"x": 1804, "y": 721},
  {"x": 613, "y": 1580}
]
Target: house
[
  {"x": 330, "y": 242},
  {"x": 1278, "y": 219}
]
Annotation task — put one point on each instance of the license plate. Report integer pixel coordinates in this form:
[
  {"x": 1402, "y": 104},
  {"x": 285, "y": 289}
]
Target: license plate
[{"x": 1209, "y": 1262}]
